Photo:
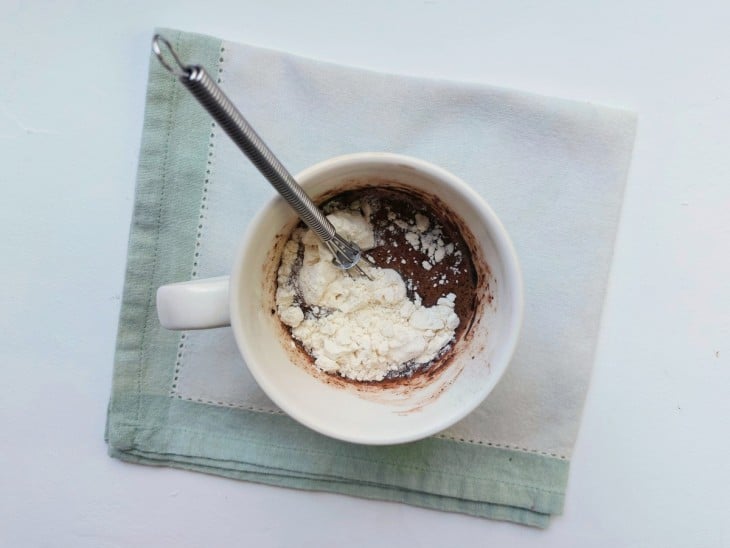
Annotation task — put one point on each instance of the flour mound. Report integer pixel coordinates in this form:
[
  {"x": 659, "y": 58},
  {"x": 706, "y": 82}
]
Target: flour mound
[{"x": 359, "y": 328}]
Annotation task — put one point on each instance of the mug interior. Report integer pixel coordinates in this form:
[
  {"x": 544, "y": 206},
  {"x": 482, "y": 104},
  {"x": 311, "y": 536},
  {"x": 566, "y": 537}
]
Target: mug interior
[{"x": 378, "y": 413}]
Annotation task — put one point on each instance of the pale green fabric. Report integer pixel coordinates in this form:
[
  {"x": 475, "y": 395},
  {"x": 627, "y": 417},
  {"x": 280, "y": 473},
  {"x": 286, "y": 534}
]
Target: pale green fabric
[{"x": 146, "y": 425}]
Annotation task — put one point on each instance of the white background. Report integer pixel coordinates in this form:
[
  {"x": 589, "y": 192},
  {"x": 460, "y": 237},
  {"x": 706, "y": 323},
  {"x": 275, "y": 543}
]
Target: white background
[{"x": 651, "y": 467}]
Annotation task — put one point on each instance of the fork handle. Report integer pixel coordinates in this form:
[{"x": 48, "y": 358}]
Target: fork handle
[{"x": 223, "y": 111}]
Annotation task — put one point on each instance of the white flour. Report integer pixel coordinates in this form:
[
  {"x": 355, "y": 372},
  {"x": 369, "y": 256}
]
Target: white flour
[{"x": 359, "y": 328}]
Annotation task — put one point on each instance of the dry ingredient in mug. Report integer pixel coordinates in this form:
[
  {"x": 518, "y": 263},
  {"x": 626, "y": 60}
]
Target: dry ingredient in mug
[{"x": 369, "y": 330}]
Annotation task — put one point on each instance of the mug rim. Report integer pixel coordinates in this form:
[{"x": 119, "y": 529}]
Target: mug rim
[{"x": 503, "y": 245}]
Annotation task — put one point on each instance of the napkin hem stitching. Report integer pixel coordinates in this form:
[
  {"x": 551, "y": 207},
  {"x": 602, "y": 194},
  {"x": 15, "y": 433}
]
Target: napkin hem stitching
[
  {"x": 245, "y": 407},
  {"x": 488, "y": 443},
  {"x": 503, "y": 446},
  {"x": 199, "y": 235},
  {"x": 228, "y": 404}
]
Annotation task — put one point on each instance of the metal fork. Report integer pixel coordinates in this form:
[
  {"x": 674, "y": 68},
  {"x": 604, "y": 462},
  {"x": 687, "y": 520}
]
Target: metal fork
[{"x": 196, "y": 79}]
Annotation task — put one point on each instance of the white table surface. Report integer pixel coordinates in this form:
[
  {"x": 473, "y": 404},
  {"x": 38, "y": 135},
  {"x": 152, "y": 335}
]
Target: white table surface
[{"x": 651, "y": 464}]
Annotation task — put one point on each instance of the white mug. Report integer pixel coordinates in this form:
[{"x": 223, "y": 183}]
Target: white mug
[{"x": 373, "y": 413}]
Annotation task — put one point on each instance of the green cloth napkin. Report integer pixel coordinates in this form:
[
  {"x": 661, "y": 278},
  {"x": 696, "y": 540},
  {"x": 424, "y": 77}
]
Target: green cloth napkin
[{"x": 510, "y": 459}]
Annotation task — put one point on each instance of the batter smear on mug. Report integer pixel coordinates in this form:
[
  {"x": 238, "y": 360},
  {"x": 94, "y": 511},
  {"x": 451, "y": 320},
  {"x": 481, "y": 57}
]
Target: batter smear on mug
[{"x": 407, "y": 318}]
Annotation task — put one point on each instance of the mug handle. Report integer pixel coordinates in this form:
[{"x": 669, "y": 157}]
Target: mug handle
[{"x": 197, "y": 304}]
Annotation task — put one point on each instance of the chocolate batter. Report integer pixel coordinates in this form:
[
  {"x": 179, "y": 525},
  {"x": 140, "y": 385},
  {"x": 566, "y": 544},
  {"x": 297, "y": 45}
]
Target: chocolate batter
[
  {"x": 393, "y": 216},
  {"x": 402, "y": 222}
]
